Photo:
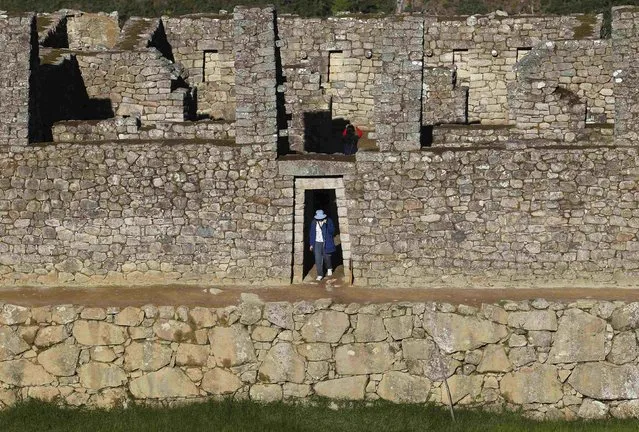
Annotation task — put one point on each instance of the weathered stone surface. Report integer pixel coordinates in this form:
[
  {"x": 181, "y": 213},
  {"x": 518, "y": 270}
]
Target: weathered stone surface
[
  {"x": 282, "y": 363},
  {"x": 98, "y": 333},
  {"x": 626, "y": 317},
  {"x": 231, "y": 346},
  {"x": 423, "y": 357},
  {"x": 522, "y": 356},
  {"x": 605, "y": 381},
  {"x": 370, "y": 328},
  {"x": 264, "y": 334},
  {"x": 129, "y": 316},
  {"x": 93, "y": 314},
  {"x": 104, "y": 354},
  {"x": 110, "y": 398},
  {"x": 266, "y": 392},
  {"x": 23, "y": 373},
  {"x": 400, "y": 387},
  {"x": 593, "y": 410},
  {"x": 176, "y": 331},
  {"x": 462, "y": 386},
  {"x": 147, "y": 356},
  {"x": 325, "y": 326},
  {"x": 494, "y": 360},
  {"x": 192, "y": 355},
  {"x": 250, "y": 312},
  {"x": 63, "y": 314},
  {"x": 400, "y": 327},
  {"x": 292, "y": 390},
  {"x": 218, "y": 381},
  {"x": 165, "y": 383},
  {"x": 625, "y": 409},
  {"x": 97, "y": 376},
  {"x": 624, "y": 348},
  {"x": 202, "y": 317},
  {"x": 349, "y": 388},
  {"x": 10, "y": 344},
  {"x": 357, "y": 359},
  {"x": 43, "y": 393},
  {"x": 315, "y": 351},
  {"x": 48, "y": 336},
  {"x": 454, "y": 333},
  {"x": 533, "y": 320},
  {"x": 8, "y": 397},
  {"x": 13, "y": 314},
  {"x": 61, "y": 360},
  {"x": 580, "y": 337},
  {"x": 537, "y": 384},
  {"x": 280, "y": 314}
]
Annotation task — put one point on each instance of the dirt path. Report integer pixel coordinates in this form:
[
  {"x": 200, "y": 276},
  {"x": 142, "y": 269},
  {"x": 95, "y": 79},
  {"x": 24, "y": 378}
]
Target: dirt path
[{"x": 198, "y": 296}]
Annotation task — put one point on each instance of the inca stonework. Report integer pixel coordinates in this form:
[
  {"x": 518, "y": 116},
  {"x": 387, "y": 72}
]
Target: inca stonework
[
  {"x": 532, "y": 355},
  {"x": 497, "y": 151}
]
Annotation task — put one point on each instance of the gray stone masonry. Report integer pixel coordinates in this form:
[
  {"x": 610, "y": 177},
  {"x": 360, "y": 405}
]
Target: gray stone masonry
[{"x": 552, "y": 360}]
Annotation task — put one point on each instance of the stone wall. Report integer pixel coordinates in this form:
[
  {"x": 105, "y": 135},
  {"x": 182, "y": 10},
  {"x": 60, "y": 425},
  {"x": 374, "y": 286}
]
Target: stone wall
[
  {"x": 145, "y": 211},
  {"x": 129, "y": 128},
  {"x": 204, "y": 43},
  {"x": 553, "y": 360},
  {"x": 485, "y": 217},
  {"x": 93, "y": 31},
  {"x": 137, "y": 83},
  {"x": 16, "y": 65},
  {"x": 398, "y": 92},
  {"x": 484, "y": 49},
  {"x": 443, "y": 101}
]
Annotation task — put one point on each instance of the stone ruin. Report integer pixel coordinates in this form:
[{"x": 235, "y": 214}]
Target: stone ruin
[{"x": 497, "y": 150}]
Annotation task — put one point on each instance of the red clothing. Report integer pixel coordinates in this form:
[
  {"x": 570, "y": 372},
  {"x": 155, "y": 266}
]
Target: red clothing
[{"x": 357, "y": 130}]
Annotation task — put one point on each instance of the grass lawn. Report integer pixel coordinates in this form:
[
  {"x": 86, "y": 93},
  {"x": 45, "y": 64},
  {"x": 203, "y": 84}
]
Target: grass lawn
[{"x": 248, "y": 416}]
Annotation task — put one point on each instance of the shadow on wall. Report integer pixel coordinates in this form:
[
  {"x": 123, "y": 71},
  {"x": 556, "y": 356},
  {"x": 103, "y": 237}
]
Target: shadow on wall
[
  {"x": 63, "y": 96},
  {"x": 322, "y": 133}
]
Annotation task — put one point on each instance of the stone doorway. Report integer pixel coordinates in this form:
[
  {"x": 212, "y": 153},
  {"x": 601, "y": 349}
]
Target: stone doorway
[{"x": 328, "y": 194}]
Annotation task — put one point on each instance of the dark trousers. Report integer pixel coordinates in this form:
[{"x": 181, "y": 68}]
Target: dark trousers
[{"x": 321, "y": 257}]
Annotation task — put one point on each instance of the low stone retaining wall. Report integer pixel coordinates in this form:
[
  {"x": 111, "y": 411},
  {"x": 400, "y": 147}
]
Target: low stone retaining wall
[{"x": 554, "y": 360}]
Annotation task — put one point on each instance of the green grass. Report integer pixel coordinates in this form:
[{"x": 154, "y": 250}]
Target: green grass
[{"x": 247, "y": 416}]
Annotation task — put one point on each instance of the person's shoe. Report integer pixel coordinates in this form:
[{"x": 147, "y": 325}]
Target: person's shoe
[
  {"x": 329, "y": 272},
  {"x": 319, "y": 278}
]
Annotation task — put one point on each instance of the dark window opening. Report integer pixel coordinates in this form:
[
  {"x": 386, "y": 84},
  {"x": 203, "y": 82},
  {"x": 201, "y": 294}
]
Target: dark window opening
[{"x": 426, "y": 136}]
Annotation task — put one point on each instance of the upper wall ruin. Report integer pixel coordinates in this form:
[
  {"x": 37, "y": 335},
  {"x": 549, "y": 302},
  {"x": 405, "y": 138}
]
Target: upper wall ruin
[{"x": 457, "y": 70}]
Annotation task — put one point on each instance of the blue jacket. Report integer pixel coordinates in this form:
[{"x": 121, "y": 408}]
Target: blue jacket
[{"x": 328, "y": 232}]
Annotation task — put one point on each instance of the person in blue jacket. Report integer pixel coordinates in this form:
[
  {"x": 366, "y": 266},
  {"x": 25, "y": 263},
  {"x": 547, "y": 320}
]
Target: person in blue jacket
[{"x": 322, "y": 243}]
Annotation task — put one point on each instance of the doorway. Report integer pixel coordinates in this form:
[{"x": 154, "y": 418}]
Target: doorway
[
  {"x": 320, "y": 199},
  {"x": 312, "y": 194}
]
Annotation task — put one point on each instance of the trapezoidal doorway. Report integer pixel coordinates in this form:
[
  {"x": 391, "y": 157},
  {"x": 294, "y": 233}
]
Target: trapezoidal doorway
[{"x": 311, "y": 194}]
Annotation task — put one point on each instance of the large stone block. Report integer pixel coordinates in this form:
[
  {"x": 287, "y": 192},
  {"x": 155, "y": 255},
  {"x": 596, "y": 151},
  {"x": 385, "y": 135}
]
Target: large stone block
[
  {"x": 218, "y": 381},
  {"x": 349, "y": 388},
  {"x": 605, "y": 381},
  {"x": 50, "y": 335},
  {"x": 462, "y": 386},
  {"x": 61, "y": 360},
  {"x": 538, "y": 384},
  {"x": 454, "y": 333},
  {"x": 325, "y": 326},
  {"x": 626, "y": 317},
  {"x": 165, "y": 383},
  {"x": 360, "y": 359},
  {"x": 192, "y": 355},
  {"x": 281, "y": 364},
  {"x": 581, "y": 337},
  {"x": 400, "y": 387},
  {"x": 400, "y": 327},
  {"x": 172, "y": 330},
  {"x": 146, "y": 356},
  {"x": 266, "y": 392},
  {"x": 280, "y": 314},
  {"x": 98, "y": 333},
  {"x": 97, "y": 376},
  {"x": 494, "y": 359},
  {"x": 370, "y": 328},
  {"x": 533, "y": 320},
  {"x": 231, "y": 346},
  {"x": 624, "y": 348},
  {"x": 22, "y": 373},
  {"x": 10, "y": 344}
]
